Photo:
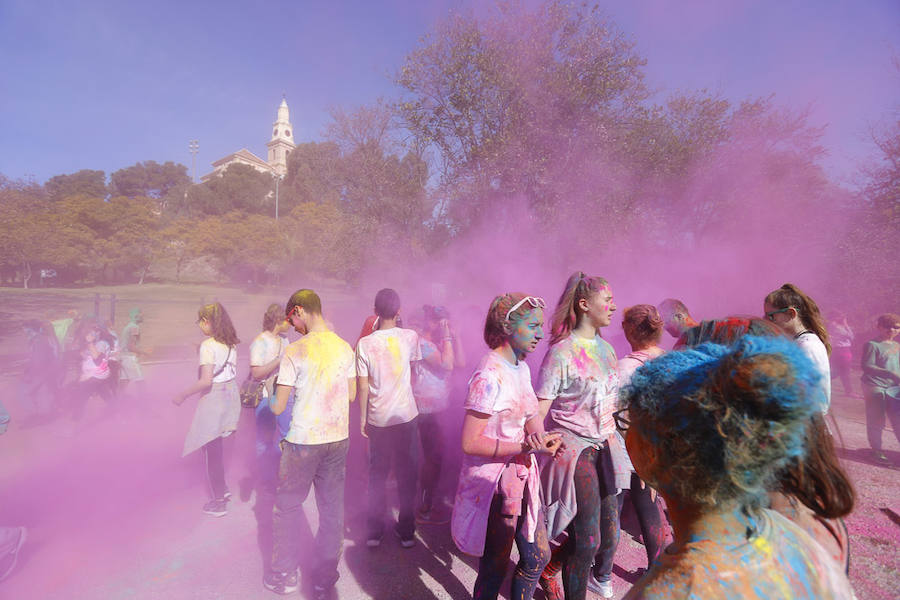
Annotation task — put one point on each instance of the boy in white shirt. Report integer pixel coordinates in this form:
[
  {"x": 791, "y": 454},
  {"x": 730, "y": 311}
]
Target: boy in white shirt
[{"x": 388, "y": 416}]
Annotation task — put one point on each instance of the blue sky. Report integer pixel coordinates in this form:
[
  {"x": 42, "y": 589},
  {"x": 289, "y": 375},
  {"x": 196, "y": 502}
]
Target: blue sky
[{"x": 103, "y": 85}]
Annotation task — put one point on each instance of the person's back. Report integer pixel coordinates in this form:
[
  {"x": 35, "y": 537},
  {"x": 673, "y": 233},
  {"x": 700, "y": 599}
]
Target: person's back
[
  {"x": 384, "y": 357},
  {"x": 781, "y": 561},
  {"x": 319, "y": 366}
]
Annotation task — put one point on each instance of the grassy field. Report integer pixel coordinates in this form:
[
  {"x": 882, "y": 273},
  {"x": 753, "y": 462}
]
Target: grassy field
[{"x": 170, "y": 310}]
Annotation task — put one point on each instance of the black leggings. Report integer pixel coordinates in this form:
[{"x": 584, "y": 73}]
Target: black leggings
[
  {"x": 594, "y": 531},
  {"x": 533, "y": 557},
  {"x": 652, "y": 530},
  {"x": 215, "y": 468}
]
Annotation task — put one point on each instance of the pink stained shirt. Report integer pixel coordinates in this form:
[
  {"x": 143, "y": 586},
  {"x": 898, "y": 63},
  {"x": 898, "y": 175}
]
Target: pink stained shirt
[
  {"x": 580, "y": 376},
  {"x": 503, "y": 391}
]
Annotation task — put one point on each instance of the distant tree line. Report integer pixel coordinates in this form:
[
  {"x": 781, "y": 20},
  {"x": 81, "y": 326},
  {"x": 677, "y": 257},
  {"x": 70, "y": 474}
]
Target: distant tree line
[{"x": 543, "y": 110}]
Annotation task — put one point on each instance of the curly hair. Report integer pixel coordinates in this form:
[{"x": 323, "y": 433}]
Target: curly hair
[
  {"x": 729, "y": 330},
  {"x": 642, "y": 324},
  {"x": 724, "y": 419}
]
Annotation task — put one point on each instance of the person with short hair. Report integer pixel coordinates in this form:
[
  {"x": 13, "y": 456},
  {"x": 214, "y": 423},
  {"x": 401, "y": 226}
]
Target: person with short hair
[
  {"x": 319, "y": 369},
  {"x": 219, "y": 407},
  {"x": 676, "y": 317},
  {"x": 881, "y": 382},
  {"x": 498, "y": 495},
  {"x": 388, "y": 416},
  {"x": 709, "y": 428},
  {"x": 131, "y": 352},
  {"x": 266, "y": 352}
]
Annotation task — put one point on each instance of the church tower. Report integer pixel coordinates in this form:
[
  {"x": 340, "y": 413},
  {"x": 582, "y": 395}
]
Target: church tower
[{"x": 282, "y": 141}]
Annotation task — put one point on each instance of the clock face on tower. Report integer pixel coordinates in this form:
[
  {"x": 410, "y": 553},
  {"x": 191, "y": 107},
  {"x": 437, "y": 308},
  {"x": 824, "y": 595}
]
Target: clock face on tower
[{"x": 274, "y": 133}]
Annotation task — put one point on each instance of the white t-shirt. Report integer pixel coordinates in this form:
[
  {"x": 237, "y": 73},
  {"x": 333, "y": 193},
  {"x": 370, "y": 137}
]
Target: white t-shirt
[
  {"x": 215, "y": 353},
  {"x": 814, "y": 348},
  {"x": 95, "y": 369},
  {"x": 384, "y": 356},
  {"x": 265, "y": 348},
  {"x": 319, "y": 366}
]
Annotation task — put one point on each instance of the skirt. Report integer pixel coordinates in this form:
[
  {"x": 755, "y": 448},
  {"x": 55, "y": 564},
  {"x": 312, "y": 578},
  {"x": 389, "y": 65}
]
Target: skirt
[{"x": 216, "y": 416}]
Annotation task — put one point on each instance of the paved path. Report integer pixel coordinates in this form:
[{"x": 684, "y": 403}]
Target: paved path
[{"x": 113, "y": 512}]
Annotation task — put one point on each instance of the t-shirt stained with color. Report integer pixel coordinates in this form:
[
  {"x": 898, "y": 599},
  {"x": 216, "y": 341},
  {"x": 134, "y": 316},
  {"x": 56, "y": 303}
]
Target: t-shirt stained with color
[
  {"x": 431, "y": 384},
  {"x": 265, "y": 348},
  {"x": 504, "y": 392},
  {"x": 384, "y": 356},
  {"x": 319, "y": 366},
  {"x": 580, "y": 376},
  {"x": 780, "y": 561}
]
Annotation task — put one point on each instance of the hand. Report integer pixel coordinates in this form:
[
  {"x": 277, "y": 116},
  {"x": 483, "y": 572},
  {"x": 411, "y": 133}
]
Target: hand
[
  {"x": 552, "y": 443},
  {"x": 178, "y": 400},
  {"x": 362, "y": 430},
  {"x": 445, "y": 328}
]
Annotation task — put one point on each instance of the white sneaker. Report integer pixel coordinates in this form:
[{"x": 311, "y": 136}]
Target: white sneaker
[{"x": 603, "y": 588}]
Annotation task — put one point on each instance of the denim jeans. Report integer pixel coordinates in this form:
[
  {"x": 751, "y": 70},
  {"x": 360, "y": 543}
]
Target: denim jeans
[
  {"x": 501, "y": 532},
  {"x": 325, "y": 466},
  {"x": 878, "y": 406},
  {"x": 395, "y": 446}
]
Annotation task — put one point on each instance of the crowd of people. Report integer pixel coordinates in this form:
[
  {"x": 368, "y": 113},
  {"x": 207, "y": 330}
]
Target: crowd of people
[
  {"x": 722, "y": 443},
  {"x": 723, "y": 440}
]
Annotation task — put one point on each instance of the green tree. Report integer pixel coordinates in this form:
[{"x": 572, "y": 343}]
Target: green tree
[
  {"x": 149, "y": 179},
  {"x": 239, "y": 188},
  {"x": 83, "y": 183}
]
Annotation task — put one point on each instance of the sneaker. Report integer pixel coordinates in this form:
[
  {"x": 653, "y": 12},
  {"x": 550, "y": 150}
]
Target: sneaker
[
  {"x": 432, "y": 517},
  {"x": 603, "y": 588},
  {"x": 216, "y": 508},
  {"x": 551, "y": 587},
  {"x": 8, "y": 561},
  {"x": 282, "y": 583},
  {"x": 320, "y": 593},
  {"x": 406, "y": 542},
  {"x": 374, "y": 541},
  {"x": 880, "y": 457},
  {"x": 227, "y": 494}
]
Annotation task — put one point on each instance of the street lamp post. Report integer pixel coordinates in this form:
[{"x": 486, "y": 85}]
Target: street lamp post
[
  {"x": 193, "y": 147},
  {"x": 277, "y": 180}
]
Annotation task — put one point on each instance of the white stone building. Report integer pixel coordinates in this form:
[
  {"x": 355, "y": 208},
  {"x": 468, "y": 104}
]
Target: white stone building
[{"x": 280, "y": 145}]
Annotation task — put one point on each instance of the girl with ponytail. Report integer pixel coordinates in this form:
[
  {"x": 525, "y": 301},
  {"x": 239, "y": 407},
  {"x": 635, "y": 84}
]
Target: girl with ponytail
[
  {"x": 578, "y": 387},
  {"x": 798, "y": 316}
]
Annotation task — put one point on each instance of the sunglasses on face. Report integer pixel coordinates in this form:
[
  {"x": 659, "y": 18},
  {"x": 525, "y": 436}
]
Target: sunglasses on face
[
  {"x": 621, "y": 419},
  {"x": 771, "y": 315},
  {"x": 534, "y": 301}
]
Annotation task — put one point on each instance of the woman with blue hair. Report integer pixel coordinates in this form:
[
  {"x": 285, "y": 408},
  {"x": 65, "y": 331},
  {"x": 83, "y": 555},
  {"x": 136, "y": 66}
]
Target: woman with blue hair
[{"x": 711, "y": 428}]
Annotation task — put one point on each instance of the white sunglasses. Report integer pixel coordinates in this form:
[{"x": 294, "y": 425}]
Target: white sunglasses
[{"x": 534, "y": 301}]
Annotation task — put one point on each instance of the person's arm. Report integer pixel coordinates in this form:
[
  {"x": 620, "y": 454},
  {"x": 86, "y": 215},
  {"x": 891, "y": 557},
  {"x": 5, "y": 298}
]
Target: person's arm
[
  {"x": 282, "y": 394},
  {"x": 540, "y": 440},
  {"x": 475, "y": 443},
  {"x": 459, "y": 355},
  {"x": 351, "y": 387},
  {"x": 362, "y": 391},
  {"x": 871, "y": 368},
  {"x": 202, "y": 385},
  {"x": 544, "y": 405},
  {"x": 260, "y": 372}
]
